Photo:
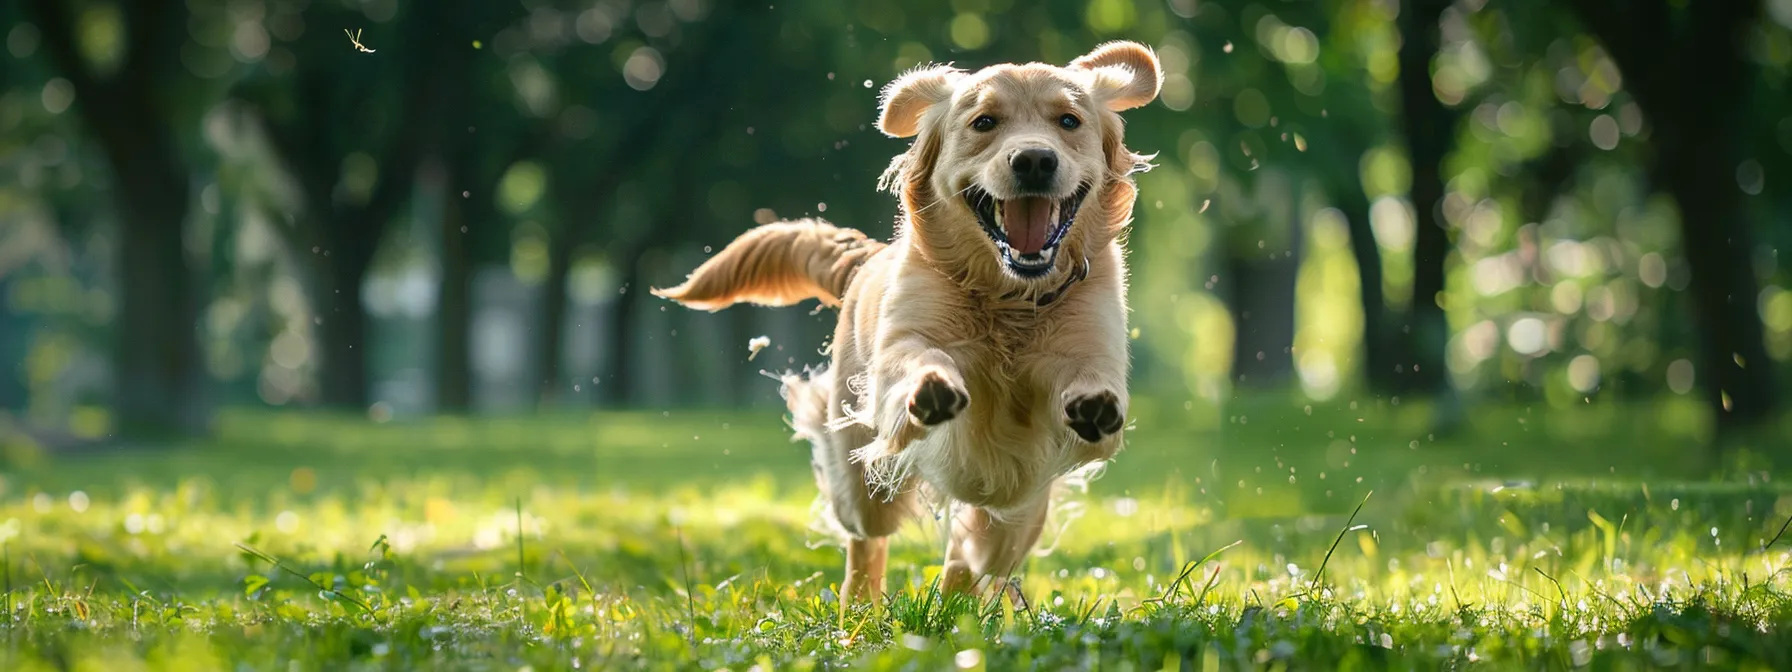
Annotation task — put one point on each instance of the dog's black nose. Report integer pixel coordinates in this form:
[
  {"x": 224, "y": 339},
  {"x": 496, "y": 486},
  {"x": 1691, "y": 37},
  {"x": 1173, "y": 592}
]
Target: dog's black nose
[{"x": 1035, "y": 168}]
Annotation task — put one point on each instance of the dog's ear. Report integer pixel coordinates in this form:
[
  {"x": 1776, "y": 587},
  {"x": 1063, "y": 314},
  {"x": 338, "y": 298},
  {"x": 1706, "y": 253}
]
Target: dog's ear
[
  {"x": 1125, "y": 74},
  {"x": 906, "y": 99}
]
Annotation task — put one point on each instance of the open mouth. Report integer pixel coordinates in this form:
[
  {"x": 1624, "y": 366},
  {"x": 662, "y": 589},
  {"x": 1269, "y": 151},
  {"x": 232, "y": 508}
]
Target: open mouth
[{"x": 1027, "y": 229}]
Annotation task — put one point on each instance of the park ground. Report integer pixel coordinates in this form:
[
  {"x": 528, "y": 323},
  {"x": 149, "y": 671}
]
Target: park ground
[{"x": 1275, "y": 534}]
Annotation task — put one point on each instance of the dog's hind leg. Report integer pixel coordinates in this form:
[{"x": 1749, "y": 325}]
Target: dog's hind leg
[
  {"x": 987, "y": 545},
  {"x": 867, "y": 514}
]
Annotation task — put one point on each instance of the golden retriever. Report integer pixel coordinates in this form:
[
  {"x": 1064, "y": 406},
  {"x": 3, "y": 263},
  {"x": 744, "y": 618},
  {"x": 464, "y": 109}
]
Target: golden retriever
[{"x": 982, "y": 353}]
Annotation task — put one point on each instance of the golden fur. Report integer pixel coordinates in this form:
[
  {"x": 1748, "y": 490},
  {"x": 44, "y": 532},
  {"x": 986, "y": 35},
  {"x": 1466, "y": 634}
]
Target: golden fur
[{"x": 952, "y": 368}]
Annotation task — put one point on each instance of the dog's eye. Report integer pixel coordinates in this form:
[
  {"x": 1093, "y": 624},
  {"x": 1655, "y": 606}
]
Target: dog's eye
[
  {"x": 983, "y": 123},
  {"x": 1070, "y": 122}
]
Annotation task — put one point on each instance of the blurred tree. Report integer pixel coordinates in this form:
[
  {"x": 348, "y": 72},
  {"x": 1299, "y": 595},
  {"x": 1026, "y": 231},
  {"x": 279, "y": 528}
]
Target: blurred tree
[
  {"x": 1261, "y": 266},
  {"x": 588, "y": 165},
  {"x": 1429, "y": 126},
  {"x": 1339, "y": 149},
  {"x": 343, "y": 124},
  {"x": 479, "y": 136},
  {"x": 1687, "y": 67},
  {"x": 131, "y": 104},
  {"x": 1348, "y": 128}
]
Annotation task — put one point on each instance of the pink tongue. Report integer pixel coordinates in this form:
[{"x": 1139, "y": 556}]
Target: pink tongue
[{"x": 1027, "y": 221}]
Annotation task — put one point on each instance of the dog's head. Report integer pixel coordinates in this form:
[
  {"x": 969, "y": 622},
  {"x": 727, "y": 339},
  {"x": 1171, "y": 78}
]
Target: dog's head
[{"x": 1017, "y": 171}]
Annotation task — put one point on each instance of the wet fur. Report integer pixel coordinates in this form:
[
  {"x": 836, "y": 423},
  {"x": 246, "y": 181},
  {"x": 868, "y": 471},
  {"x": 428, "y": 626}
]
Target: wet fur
[{"x": 945, "y": 372}]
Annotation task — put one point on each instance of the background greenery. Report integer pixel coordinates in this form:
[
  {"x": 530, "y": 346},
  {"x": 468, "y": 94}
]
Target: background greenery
[{"x": 1511, "y": 265}]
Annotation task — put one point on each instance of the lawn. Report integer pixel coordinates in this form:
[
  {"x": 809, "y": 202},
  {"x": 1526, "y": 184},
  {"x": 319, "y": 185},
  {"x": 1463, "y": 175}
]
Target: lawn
[{"x": 1273, "y": 534}]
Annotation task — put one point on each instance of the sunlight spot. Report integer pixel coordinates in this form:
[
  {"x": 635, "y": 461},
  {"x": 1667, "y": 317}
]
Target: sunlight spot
[
  {"x": 1750, "y": 178},
  {"x": 1652, "y": 269},
  {"x": 1126, "y": 506},
  {"x": 1392, "y": 224},
  {"x": 1583, "y": 373},
  {"x": 287, "y": 522},
  {"x": 1680, "y": 376},
  {"x": 77, "y": 500},
  {"x": 644, "y": 68},
  {"x": 1178, "y": 92},
  {"x": 58, "y": 95},
  {"x": 1481, "y": 340},
  {"x": 969, "y": 31},
  {"x": 968, "y": 659},
  {"x": 1319, "y": 376},
  {"x": 1527, "y": 336},
  {"x": 1566, "y": 297},
  {"x": 1604, "y": 132}
]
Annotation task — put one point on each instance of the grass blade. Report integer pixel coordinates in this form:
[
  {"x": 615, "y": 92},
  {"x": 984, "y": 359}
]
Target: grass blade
[
  {"x": 690, "y": 596},
  {"x": 1314, "y": 587}
]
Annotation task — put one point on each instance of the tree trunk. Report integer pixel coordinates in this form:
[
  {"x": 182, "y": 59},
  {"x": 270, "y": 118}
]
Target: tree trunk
[
  {"x": 345, "y": 332},
  {"x": 1428, "y": 125},
  {"x": 159, "y": 387},
  {"x": 159, "y": 384},
  {"x": 1377, "y": 347},
  {"x": 1262, "y": 272},
  {"x": 552, "y": 338},
  {"x": 743, "y": 326},
  {"x": 1733, "y": 366},
  {"x": 454, "y": 309},
  {"x": 620, "y": 371},
  {"x": 1689, "y": 73},
  {"x": 1699, "y": 170},
  {"x": 15, "y": 332},
  {"x": 1263, "y": 310}
]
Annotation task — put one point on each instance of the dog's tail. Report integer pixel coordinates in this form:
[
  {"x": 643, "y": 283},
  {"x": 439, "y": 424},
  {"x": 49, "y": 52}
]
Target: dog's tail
[{"x": 778, "y": 264}]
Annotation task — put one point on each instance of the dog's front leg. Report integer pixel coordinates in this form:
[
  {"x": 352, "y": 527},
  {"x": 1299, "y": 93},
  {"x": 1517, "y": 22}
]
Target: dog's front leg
[
  {"x": 918, "y": 387},
  {"x": 1087, "y": 371},
  {"x": 1095, "y": 411}
]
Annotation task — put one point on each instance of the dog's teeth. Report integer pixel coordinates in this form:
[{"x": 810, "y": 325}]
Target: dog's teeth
[{"x": 998, "y": 211}]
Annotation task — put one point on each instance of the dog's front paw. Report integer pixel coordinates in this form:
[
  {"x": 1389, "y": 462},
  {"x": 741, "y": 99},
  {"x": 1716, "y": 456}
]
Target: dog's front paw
[
  {"x": 1094, "y": 416},
  {"x": 936, "y": 400}
]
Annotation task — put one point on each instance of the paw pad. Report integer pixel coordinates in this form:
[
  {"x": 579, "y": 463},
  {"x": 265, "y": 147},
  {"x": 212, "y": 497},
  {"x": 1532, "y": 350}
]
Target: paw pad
[
  {"x": 936, "y": 400},
  {"x": 1095, "y": 416}
]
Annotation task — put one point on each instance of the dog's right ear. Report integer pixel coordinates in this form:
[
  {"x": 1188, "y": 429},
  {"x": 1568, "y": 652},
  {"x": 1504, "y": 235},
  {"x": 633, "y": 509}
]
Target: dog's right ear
[{"x": 906, "y": 99}]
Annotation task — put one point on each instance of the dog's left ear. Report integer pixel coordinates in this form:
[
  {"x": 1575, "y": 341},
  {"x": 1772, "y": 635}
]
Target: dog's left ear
[{"x": 1126, "y": 74}]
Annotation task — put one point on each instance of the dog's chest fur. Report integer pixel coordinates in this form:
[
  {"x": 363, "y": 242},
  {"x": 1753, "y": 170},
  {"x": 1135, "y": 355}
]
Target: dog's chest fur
[{"x": 1012, "y": 444}]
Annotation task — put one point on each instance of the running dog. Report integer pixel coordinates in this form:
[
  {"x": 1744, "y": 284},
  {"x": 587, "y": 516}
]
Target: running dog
[{"x": 981, "y": 354}]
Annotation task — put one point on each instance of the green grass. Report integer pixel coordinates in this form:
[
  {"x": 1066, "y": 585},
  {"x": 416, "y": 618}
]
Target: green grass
[{"x": 1530, "y": 539}]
